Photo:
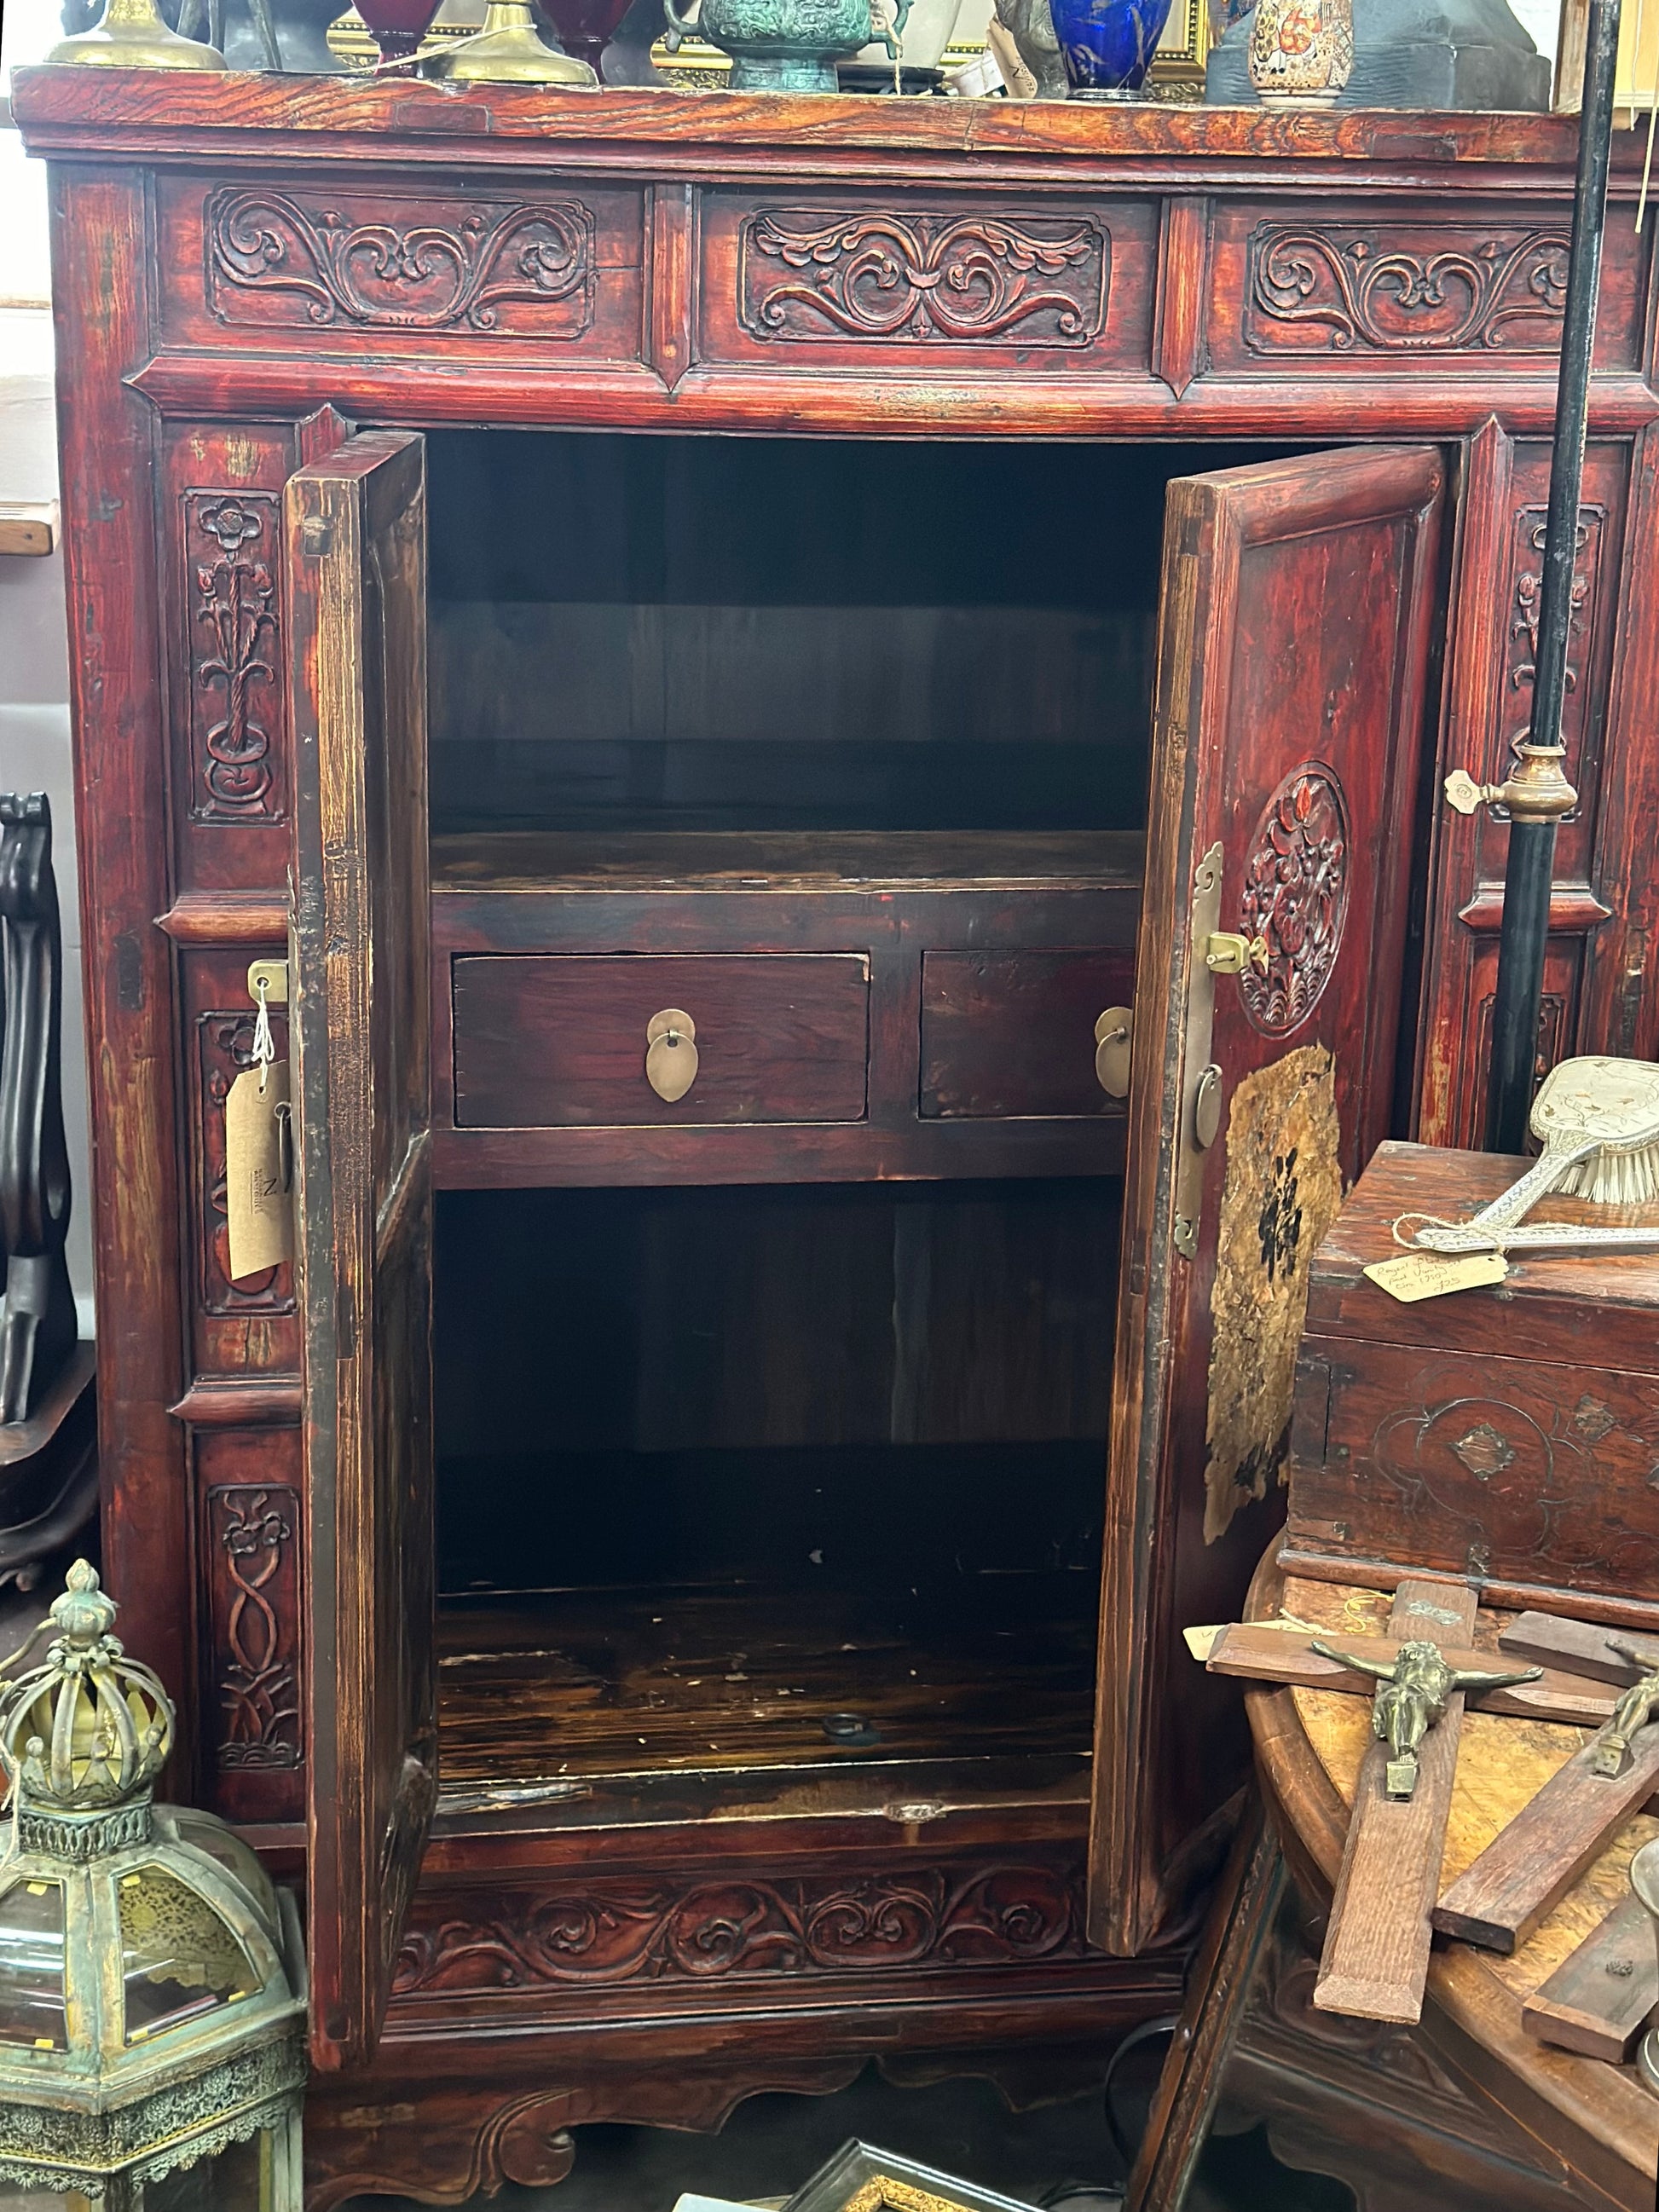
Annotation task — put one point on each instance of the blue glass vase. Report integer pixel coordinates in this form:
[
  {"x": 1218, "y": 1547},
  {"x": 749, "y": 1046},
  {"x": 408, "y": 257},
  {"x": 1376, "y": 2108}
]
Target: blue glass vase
[{"x": 1107, "y": 45}]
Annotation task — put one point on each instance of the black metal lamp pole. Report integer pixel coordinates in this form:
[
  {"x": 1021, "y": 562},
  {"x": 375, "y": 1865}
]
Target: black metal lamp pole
[{"x": 1536, "y": 792}]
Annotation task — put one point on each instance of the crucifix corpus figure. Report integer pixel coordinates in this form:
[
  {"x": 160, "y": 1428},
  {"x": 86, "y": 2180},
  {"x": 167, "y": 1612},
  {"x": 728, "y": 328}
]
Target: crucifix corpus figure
[
  {"x": 1635, "y": 1709},
  {"x": 1410, "y": 1696}
]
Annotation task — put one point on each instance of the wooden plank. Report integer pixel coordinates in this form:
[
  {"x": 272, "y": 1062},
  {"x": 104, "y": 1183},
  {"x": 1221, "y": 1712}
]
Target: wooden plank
[
  {"x": 28, "y": 526},
  {"x": 1578, "y": 1647},
  {"x": 1375, "y": 1959},
  {"x": 1266, "y": 1654},
  {"x": 1598, "y": 1999},
  {"x": 1529, "y": 1866}
]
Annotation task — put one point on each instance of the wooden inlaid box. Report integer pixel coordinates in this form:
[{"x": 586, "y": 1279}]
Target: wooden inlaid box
[{"x": 1509, "y": 1432}]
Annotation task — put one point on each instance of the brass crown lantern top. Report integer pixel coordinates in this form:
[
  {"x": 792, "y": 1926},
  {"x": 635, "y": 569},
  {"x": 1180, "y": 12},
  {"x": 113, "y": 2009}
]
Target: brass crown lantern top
[{"x": 89, "y": 1730}]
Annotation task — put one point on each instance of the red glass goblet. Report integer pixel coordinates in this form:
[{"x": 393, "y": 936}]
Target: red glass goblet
[
  {"x": 398, "y": 26},
  {"x": 586, "y": 27}
]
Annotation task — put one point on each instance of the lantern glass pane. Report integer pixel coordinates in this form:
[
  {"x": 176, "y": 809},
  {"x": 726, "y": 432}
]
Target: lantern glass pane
[
  {"x": 179, "y": 1958},
  {"x": 203, "y": 1833},
  {"x": 31, "y": 1966}
]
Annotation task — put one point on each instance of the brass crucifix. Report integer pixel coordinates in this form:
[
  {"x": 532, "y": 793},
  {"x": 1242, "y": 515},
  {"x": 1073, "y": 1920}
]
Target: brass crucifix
[{"x": 1410, "y": 1696}]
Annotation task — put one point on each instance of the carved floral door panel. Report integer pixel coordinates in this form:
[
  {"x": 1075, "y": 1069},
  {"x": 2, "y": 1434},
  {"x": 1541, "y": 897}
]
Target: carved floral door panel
[
  {"x": 1294, "y": 656},
  {"x": 356, "y": 604}
]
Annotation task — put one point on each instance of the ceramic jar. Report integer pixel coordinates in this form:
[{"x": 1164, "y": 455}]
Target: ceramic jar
[
  {"x": 1301, "y": 51},
  {"x": 782, "y": 46}
]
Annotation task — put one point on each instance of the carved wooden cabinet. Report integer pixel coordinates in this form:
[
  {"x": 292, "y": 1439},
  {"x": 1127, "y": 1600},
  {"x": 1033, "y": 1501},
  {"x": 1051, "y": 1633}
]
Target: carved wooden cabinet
[{"x": 860, "y": 590}]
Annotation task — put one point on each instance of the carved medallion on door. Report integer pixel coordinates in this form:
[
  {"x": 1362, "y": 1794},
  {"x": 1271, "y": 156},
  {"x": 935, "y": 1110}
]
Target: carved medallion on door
[{"x": 1296, "y": 897}]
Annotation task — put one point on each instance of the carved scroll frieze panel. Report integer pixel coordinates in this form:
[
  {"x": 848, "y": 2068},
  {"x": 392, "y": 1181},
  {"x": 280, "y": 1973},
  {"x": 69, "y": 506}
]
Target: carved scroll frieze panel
[
  {"x": 249, "y": 1551},
  {"x": 238, "y": 710},
  {"x": 962, "y": 284},
  {"x": 1369, "y": 290},
  {"x": 1341, "y": 289},
  {"x": 315, "y": 260},
  {"x": 595, "y": 1933},
  {"x": 246, "y": 1327},
  {"x": 953, "y": 280},
  {"x": 432, "y": 269}
]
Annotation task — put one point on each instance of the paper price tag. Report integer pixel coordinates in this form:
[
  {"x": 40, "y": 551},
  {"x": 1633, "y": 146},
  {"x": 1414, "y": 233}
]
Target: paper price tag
[
  {"x": 257, "y": 1204},
  {"x": 1417, "y": 1275}
]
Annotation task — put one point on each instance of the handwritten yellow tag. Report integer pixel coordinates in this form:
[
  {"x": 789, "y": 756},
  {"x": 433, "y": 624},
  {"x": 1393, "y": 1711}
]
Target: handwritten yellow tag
[
  {"x": 1417, "y": 1275},
  {"x": 258, "y": 1174}
]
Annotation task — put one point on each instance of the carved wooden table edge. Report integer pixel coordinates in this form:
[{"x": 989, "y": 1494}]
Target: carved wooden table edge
[{"x": 1594, "y": 2121}]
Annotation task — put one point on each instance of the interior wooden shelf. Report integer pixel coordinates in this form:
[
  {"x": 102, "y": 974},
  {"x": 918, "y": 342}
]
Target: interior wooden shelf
[
  {"x": 617, "y": 1684},
  {"x": 779, "y": 860}
]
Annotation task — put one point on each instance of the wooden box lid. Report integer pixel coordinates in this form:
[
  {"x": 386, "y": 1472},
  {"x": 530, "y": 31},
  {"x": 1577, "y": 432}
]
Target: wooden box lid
[{"x": 1599, "y": 1309}]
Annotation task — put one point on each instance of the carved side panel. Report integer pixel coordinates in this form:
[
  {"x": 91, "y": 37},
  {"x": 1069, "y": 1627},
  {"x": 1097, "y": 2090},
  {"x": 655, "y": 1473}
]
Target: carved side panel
[
  {"x": 237, "y": 707},
  {"x": 221, "y": 570},
  {"x": 1490, "y": 685},
  {"x": 595, "y": 1934},
  {"x": 249, "y": 1540},
  {"x": 246, "y": 1328}
]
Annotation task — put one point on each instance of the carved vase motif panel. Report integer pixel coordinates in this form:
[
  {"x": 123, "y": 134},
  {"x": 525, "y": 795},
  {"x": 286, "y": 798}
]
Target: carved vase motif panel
[
  {"x": 252, "y": 1541},
  {"x": 811, "y": 276},
  {"x": 597, "y": 1932},
  {"x": 238, "y": 712},
  {"x": 354, "y": 261},
  {"x": 1468, "y": 288},
  {"x": 224, "y": 1049}
]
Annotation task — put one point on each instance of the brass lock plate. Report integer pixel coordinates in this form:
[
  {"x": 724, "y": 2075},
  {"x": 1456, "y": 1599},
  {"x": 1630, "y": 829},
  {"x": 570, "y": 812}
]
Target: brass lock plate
[
  {"x": 670, "y": 1053},
  {"x": 273, "y": 975},
  {"x": 1113, "y": 1035}
]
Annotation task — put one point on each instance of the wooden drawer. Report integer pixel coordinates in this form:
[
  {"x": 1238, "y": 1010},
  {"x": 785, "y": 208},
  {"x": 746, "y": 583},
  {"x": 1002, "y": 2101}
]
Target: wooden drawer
[
  {"x": 1005, "y": 1035},
  {"x": 559, "y": 1041}
]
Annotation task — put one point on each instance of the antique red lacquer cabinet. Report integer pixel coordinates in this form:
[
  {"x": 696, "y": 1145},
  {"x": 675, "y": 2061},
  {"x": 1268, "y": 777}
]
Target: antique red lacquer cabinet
[{"x": 839, "y": 706}]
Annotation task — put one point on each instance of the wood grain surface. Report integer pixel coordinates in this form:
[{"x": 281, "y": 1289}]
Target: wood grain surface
[{"x": 1599, "y": 1998}]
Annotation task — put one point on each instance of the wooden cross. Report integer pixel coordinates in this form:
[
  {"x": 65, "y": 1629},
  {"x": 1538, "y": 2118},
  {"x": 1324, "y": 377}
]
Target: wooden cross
[
  {"x": 1375, "y": 1959},
  {"x": 1526, "y": 1870},
  {"x": 1376, "y": 1949}
]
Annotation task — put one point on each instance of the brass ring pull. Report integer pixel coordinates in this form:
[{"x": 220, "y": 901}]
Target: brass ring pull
[
  {"x": 1113, "y": 1032},
  {"x": 670, "y": 1053}
]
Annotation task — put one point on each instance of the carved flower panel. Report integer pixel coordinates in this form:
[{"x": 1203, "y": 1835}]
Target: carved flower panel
[
  {"x": 597, "y": 1934},
  {"x": 311, "y": 260},
  {"x": 237, "y": 707},
  {"x": 821, "y": 277},
  {"x": 1432, "y": 289}
]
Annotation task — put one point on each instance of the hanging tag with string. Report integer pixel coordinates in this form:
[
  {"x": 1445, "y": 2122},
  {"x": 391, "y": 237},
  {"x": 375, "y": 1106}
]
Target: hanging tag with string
[{"x": 260, "y": 1142}]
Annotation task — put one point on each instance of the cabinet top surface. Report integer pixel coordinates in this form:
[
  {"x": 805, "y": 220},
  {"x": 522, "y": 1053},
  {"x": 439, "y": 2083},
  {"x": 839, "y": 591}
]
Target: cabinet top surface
[{"x": 160, "y": 116}]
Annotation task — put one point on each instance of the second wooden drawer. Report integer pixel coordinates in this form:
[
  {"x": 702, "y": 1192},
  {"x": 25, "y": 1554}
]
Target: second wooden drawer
[{"x": 559, "y": 1041}]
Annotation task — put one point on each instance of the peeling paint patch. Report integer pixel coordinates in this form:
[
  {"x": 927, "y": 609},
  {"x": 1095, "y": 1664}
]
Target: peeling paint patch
[{"x": 1283, "y": 1186}]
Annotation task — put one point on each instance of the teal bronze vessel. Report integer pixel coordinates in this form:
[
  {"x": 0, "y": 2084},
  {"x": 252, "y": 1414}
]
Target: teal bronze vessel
[{"x": 788, "y": 46}]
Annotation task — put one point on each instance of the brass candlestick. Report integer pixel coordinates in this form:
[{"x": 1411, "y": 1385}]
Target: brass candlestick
[
  {"x": 510, "y": 50},
  {"x": 132, "y": 35}
]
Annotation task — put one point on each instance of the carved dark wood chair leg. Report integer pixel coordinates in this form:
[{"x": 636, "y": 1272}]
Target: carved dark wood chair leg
[
  {"x": 39, "y": 1333},
  {"x": 1241, "y": 1924}
]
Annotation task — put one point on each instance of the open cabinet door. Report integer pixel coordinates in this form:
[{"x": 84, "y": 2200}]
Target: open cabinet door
[
  {"x": 359, "y": 1023},
  {"x": 1294, "y": 651}
]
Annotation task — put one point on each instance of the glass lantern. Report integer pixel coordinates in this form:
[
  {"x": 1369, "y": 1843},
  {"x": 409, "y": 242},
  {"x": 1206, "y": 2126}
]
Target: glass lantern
[{"x": 152, "y": 1981}]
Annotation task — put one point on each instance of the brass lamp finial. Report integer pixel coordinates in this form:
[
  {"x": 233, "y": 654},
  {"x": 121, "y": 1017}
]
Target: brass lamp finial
[{"x": 89, "y": 1730}]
